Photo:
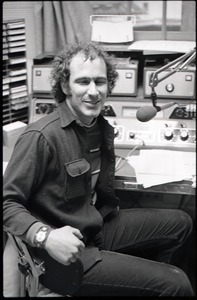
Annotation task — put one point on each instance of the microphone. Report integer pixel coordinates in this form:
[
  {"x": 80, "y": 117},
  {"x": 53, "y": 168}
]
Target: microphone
[{"x": 146, "y": 113}]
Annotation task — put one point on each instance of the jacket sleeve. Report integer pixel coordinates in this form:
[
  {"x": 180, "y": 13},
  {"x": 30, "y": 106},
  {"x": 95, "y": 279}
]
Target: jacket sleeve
[{"x": 24, "y": 173}]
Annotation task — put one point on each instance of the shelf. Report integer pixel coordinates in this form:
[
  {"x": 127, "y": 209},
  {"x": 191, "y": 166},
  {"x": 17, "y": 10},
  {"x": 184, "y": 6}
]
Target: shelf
[{"x": 15, "y": 91}]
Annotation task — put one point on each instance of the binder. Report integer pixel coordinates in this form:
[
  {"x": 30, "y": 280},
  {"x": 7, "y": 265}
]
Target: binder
[
  {"x": 17, "y": 60},
  {"x": 18, "y": 78},
  {"x": 17, "y": 43},
  {"x": 17, "y": 72},
  {"x": 17, "y": 31},
  {"x": 17, "y": 49},
  {"x": 13, "y": 25},
  {"x": 18, "y": 95},
  {"x": 16, "y": 37},
  {"x": 18, "y": 89}
]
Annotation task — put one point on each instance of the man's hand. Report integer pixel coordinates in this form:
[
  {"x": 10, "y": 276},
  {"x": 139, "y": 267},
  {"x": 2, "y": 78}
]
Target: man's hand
[{"x": 64, "y": 244}]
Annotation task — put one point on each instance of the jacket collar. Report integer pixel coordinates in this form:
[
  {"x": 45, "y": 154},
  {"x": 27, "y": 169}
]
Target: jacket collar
[{"x": 66, "y": 116}]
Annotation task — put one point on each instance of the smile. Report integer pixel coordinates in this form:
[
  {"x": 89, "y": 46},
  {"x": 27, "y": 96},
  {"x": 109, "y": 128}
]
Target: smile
[{"x": 92, "y": 102}]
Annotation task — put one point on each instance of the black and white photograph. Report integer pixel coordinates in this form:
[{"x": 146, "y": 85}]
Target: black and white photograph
[{"x": 99, "y": 149}]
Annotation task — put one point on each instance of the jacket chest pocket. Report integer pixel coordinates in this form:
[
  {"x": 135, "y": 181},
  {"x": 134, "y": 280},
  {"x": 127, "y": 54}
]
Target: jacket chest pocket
[{"x": 76, "y": 178}]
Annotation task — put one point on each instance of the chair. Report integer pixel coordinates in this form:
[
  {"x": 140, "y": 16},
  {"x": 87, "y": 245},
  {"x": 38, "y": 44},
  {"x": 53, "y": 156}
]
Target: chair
[
  {"x": 37, "y": 266},
  {"x": 30, "y": 268}
]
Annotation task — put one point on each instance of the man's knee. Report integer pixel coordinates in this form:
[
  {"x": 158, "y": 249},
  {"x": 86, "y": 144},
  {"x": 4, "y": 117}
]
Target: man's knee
[
  {"x": 187, "y": 223},
  {"x": 177, "y": 283},
  {"x": 188, "y": 220}
]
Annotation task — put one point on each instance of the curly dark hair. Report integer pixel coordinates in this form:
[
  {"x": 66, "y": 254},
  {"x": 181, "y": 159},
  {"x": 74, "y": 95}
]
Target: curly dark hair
[{"x": 60, "y": 72}]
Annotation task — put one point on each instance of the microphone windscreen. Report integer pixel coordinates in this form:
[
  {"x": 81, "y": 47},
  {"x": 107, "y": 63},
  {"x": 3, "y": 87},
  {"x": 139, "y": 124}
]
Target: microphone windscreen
[{"x": 146, "y": 113}]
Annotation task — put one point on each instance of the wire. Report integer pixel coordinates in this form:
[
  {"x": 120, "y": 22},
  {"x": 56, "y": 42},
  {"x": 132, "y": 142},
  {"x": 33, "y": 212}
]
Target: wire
[{"x": 125, "y": 159}]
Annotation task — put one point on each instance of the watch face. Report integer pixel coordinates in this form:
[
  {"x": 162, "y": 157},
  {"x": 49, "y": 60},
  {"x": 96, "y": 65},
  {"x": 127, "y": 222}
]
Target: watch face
[{"x": 40, "y": 236}]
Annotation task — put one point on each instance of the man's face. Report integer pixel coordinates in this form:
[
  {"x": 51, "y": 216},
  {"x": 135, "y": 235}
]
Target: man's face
[{"x": 88, "y": 87}]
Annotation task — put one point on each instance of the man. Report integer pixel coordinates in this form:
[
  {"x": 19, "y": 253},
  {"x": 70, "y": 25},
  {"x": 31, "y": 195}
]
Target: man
[{"x": 59, "y": 185}]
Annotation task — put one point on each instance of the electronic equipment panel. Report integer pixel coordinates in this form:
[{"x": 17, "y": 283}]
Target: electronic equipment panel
[
  {"x": 126, "y": 84},
  {"x": 41, "y": 79},
  {"x": 180, "y": 85},
  {"x": 172, "y": 128}
]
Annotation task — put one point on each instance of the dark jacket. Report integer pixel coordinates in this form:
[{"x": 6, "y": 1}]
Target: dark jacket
[{"x": 49, "y": 178}]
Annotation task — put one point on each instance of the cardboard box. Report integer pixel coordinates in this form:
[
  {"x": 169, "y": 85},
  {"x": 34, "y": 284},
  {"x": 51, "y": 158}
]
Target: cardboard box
[{"x": 11, "y": 133}]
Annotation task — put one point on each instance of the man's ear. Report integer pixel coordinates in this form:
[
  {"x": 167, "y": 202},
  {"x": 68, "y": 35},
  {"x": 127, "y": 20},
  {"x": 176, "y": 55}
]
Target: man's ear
[{"x": 64, "y": 88}]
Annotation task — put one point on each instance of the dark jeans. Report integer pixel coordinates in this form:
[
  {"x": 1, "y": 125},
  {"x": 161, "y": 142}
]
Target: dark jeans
[{"x": 140, "y": 248}]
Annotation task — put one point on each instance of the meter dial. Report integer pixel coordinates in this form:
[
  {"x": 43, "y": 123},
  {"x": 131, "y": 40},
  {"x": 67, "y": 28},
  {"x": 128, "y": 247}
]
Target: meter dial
[{"x": 45, "y": 108}]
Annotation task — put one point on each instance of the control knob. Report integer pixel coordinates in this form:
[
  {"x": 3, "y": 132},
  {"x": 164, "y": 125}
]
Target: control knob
[
  {"x": 184, "y": 135},
  {"x": 169, "y": 87},
  {"x": 168, "y": 133}
]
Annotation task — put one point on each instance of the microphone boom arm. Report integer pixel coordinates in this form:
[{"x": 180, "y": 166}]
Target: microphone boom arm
[{"x": 177, "y": 65}]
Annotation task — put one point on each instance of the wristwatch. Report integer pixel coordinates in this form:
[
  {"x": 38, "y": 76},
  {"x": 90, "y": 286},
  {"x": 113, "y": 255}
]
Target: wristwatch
[{"x": 41, "y": 236}]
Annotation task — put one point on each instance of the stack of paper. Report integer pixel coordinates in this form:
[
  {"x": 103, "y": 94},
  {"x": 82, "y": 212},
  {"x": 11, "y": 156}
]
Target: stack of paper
[
  {"x": 151, "y": 46},
  {"x": 155, "y": 167}
]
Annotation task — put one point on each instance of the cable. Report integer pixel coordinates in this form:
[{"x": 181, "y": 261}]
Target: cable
[{"x": 125, "y": 159}]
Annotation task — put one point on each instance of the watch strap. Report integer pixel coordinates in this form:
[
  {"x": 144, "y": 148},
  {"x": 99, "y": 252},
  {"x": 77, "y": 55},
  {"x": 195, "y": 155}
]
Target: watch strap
[{"x": 46, "y": 230}]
